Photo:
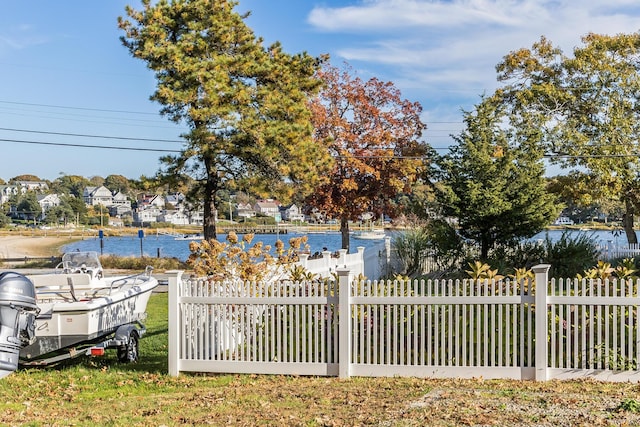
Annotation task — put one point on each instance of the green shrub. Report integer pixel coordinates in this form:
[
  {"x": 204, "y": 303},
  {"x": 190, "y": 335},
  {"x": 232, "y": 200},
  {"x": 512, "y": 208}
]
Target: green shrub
[
  {"x": 570, "y": 256},
  {"x": 410, "y": 247}
]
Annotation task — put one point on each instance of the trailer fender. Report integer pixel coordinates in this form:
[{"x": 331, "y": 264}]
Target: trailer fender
[{"x": 124, "y": 332}]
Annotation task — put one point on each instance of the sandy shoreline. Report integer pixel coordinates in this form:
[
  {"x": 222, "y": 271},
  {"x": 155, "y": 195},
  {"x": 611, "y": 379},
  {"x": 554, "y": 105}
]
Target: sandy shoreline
[{"x": 31, "y": 246}]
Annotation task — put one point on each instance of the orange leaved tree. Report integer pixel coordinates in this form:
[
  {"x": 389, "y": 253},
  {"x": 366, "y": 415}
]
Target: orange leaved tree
[{"x": 373, "y": 135}]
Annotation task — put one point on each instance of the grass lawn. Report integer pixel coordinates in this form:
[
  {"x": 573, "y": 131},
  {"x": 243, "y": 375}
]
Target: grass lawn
[{"x": 103, "y": 392}]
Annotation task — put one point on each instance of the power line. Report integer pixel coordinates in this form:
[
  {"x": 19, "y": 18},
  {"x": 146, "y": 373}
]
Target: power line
[
  {"x": 92, "y": 136},
  {"x": 77, "y": 108},
  {"x": 401, "y": 157},
  {"x": 590, "y": 156},
  {"x": 105, "y": 147}
]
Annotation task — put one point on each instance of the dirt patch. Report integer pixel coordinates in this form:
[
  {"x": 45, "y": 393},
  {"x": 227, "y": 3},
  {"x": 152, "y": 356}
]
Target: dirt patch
[{"x": 31, "y": 246}]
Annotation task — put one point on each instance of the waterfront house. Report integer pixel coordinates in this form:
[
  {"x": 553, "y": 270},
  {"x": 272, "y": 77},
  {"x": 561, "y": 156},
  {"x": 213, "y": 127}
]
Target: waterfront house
[
  {"x": 94, "y": 196},
  {"x": 267, "y": 207},
  {"x": 47, "y": 201},
  {"x": 291, "y": 213}
]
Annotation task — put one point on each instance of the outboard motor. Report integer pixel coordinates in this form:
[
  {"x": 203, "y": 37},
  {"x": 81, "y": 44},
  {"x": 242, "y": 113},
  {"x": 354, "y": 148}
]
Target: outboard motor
[{"x": 18, "y": 311}]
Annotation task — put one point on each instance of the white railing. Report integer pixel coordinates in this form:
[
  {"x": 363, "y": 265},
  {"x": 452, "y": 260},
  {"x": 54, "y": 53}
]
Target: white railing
[
  {"x": 327, "y": 263},
  {"x": 611, "y": 251},
  {"x": 444, "y": 328},
  {"x": 371, "y": 262}
]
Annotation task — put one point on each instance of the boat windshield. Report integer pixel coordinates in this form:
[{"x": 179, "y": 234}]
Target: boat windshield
[{"x": 81, "y": 260}]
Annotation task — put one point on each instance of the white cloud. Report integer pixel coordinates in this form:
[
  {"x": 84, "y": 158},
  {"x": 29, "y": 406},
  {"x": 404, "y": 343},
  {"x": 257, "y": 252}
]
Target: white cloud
[
  {"x": 18, "y": 38},
  {"x": 402, "y": 14},
  {"x": 443, "y": 53},
  {"x": 455, "y": 45},
  {"x": 7, "y": 42}
]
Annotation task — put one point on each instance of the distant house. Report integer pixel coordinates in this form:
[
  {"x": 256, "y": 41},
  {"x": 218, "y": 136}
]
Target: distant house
[
  {"x": 175, "y": 217},
  {"x": 197, "y": 217},
  {"x": 150, "y": 200},
  {"x": 116, "y": 222},
  {"x": 268, "y": 207},
  {"x": 120, "y": 199},
  {"x": 291, "y": 213},
  {"x": 101, "y": 195},
  {"x": 316, "y": 216},
  {"x": 142, "y": 216},
  {"x": 563, "y": 220},
  {"x": 121, "y": 205},
  {"x": 245, "y": 210},
  {"x": 47, "y": 201},
  {"x": 8, "y": 191},
  {"x": 174, "y": 199},
  {"x": 33, "y": 185}
]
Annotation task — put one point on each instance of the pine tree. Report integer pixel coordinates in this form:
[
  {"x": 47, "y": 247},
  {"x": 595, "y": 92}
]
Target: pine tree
[
  {"x": 245, "y": 104},
  {"x": 493, "y": 181}
]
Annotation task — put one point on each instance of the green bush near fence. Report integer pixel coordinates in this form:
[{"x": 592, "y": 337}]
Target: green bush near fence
[{"x": 449, "y": 255}]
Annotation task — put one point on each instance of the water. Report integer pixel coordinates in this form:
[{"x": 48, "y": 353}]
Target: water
[
  {"x": 602, "y": 237},
  {"x": 168, "y": 247}
]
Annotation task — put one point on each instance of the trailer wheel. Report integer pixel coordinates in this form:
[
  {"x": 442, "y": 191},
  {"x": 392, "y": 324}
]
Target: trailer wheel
[{"x": 128, "y": 353}]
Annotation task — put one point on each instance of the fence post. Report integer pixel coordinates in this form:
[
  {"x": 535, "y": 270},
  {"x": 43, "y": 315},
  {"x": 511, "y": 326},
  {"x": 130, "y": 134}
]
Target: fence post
[
  {"x": 541, "y": 272},
  {"x": 360, "y": 260},
  {"x": 326, "y": 262},
  {"x": 303, "y": 260},
  {"x": 175, "y": 287},
  {"x": 344, "y": 325},
  {"x": 387, "y": 253}
]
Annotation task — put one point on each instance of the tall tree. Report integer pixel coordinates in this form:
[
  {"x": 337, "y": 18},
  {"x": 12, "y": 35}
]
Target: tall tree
[
  {"x": 588, "y": 106},
  {"x": 26, "y": 177},
  {"x": 374, "y": 136},
  {"x": 70, "y": 184},
  {"x": 57, "y": 214},
  {"x": 492, "y": 181},
  {"x": 28, "y": 205},
  {"x": 245, "y": 104},
  {"x": 77, "y": 206},
  {"x": 117, "y": 183},
  {"x": 582, "y": 196}
]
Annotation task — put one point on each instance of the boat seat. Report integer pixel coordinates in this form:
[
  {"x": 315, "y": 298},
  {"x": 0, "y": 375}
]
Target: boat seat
[{"x": 60, "y": 281}]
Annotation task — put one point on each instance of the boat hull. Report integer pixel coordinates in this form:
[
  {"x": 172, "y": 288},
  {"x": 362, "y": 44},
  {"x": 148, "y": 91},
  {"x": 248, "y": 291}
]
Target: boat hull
[
  {"x": 97, "y": 312},
  {"x": 370, "y": 236}
]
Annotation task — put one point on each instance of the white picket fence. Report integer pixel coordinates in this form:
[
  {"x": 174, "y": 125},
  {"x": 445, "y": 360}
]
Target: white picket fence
[
  {"x": 437, "y": 329},
  {"x": 611, "y": 251}
]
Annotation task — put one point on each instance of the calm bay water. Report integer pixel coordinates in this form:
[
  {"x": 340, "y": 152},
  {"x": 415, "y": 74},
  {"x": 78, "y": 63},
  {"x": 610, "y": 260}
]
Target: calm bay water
[
  {"x": 167, "y": 246},
  {"x": 602, "y": 237}
]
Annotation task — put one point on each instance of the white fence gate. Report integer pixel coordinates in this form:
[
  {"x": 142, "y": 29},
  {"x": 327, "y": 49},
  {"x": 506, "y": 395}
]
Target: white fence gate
[{"x": 440, "y": 328}]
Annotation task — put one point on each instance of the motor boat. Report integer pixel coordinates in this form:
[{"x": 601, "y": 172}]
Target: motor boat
[
  {"x": 18, "y": 310},
  {"x": 196, "y": 236},
  {"x": 370, "y": 235},
  {"x": 81, "y": 311}
]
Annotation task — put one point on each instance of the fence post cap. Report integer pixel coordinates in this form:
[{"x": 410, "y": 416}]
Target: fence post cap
[{"x": 541, "y": 268}]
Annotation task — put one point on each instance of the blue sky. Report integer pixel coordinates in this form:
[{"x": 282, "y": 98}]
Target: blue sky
[{"x": 63, "y": 71}]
